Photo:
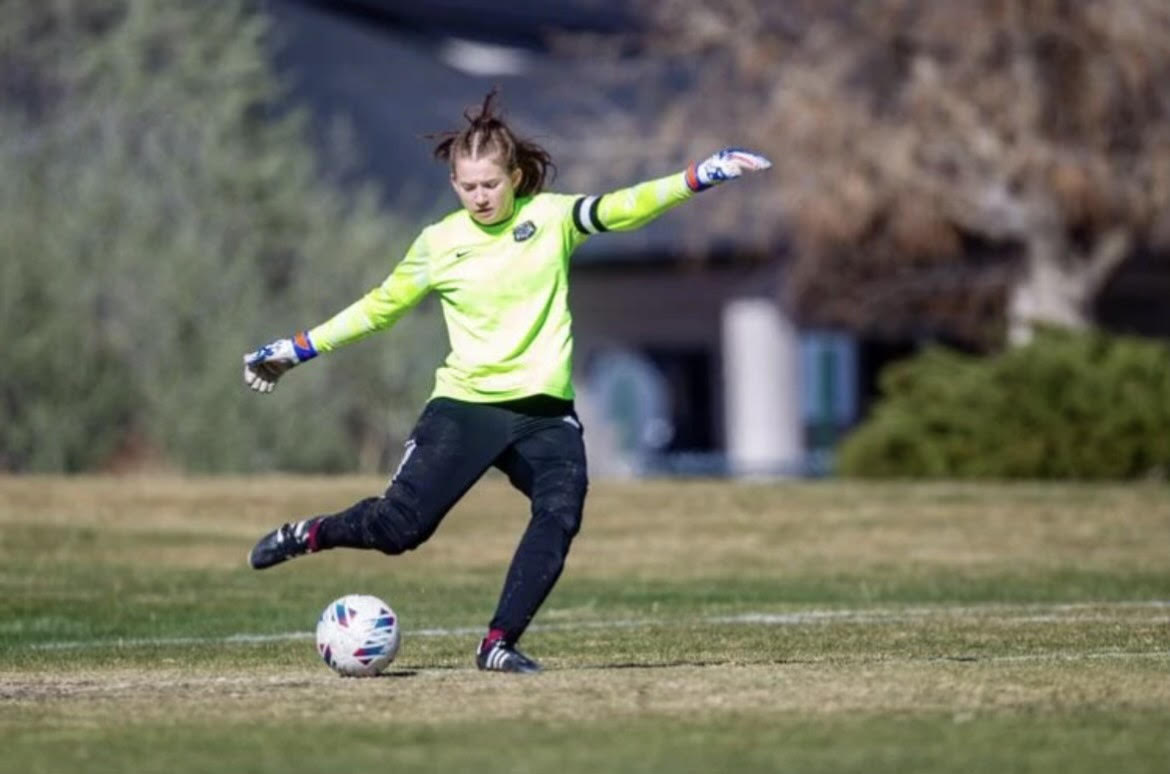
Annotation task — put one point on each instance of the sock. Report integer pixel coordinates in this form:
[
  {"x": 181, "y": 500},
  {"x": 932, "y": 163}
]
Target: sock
[
  {"x": 313, "y": 529},
  {"x": 493, "y": 636}
]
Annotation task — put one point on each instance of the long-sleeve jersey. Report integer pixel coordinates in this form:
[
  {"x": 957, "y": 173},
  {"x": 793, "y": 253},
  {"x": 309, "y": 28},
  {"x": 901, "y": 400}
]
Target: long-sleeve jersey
[{"x": 503, "y": 289}]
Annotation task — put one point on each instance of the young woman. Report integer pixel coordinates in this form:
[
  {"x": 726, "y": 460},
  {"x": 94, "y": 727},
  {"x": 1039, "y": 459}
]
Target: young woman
[{"x": 503, "y": 397}]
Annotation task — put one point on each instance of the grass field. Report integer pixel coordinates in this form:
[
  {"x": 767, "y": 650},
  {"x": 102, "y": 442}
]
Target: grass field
[{"x": 699, "y": 626}]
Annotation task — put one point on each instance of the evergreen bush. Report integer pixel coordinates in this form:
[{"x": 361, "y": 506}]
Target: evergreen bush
[{"x": 1068, "y": 405}]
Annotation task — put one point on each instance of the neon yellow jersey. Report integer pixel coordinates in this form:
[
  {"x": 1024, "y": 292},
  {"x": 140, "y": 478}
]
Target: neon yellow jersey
[{"x": 503, "y": 289}]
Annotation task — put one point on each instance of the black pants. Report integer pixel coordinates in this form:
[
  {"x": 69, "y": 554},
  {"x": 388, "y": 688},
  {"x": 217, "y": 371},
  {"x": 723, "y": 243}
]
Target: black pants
[{"x": 535, "y": 441}]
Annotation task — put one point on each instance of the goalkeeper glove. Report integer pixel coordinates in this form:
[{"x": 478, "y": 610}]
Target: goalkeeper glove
[
  {"x": 264, "y": 366},
  {"x": 727, "y": 164}
]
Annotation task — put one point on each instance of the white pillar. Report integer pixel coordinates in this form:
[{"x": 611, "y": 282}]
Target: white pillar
[{"x": 761, "y": 378}]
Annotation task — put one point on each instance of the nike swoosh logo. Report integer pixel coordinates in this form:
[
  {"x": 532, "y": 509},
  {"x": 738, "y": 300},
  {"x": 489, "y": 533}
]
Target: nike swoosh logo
[{"x": 461, "y": 253}]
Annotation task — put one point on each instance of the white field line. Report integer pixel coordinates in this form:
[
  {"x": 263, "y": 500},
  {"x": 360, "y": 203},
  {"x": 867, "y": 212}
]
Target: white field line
[
  {"x": 1091, "y": 655},
  {"x": 1071, "y": 613}
]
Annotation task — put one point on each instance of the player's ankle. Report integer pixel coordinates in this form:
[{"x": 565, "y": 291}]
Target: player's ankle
[{"x": 314, "y": 536}]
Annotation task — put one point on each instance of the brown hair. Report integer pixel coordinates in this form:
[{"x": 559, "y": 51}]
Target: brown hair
[{"x": 487, "y": 134}]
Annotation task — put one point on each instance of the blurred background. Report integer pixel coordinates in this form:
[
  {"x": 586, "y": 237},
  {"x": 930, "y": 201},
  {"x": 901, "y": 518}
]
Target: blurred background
[{"x": 959, "y": 266}]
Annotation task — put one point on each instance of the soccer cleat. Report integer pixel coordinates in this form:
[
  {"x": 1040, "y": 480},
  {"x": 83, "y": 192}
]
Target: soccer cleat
[
  {"x": 498, "y": 656},
  {"x": 284, "y": 543}
]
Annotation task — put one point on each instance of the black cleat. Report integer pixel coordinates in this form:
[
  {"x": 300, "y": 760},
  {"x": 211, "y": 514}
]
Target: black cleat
[
  {"x": 498, "y": 656},
  {"x": 281, "y": 544}
]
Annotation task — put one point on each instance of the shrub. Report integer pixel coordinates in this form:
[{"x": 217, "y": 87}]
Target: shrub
[{"x": 1068, "y": 405}]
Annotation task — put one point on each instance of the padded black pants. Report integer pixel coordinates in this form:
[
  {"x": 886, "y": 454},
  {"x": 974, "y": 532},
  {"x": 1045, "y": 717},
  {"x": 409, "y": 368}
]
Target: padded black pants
[{"x": 535, "y": 441}]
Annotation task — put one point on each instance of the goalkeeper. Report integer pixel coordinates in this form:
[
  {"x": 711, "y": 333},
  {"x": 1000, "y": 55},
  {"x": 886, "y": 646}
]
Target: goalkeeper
[{"x": 503, "y": 397}]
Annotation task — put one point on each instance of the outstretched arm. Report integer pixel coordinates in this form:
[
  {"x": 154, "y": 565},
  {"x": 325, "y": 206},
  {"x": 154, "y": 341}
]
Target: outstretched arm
[
  {"x": 633, "y": 207},
  {"x": 377, "y": 310}
]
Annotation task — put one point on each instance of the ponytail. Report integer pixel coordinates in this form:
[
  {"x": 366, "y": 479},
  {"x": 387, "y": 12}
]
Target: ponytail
[{"x": 487, "y": 134}]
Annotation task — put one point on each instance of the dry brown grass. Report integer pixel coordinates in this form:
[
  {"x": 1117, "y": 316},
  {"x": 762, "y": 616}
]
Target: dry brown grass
[
  {"x": 451, "y": 695},
  {"x": 655, "y": 528},
  {"x": 691, "y": 661}
]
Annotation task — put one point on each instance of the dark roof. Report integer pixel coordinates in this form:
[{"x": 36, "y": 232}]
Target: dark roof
[
  {"x": 394, "y": 79},
  {"x": 516, "y": 22}
]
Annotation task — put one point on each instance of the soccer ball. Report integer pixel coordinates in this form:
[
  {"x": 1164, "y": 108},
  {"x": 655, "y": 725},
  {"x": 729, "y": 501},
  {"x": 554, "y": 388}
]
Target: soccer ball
[{"x": 357, "y": 635}]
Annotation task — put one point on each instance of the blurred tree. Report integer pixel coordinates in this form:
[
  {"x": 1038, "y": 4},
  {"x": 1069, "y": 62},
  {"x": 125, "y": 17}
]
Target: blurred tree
[
  {"x": 955, "y": 166},
  {"x": 161, "y": 213}
]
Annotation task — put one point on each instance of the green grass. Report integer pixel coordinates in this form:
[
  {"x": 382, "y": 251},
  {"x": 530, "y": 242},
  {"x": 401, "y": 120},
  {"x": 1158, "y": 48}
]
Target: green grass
[
  {"x": 700, "y": 626},
  {"x": 1069, "y": 742}
]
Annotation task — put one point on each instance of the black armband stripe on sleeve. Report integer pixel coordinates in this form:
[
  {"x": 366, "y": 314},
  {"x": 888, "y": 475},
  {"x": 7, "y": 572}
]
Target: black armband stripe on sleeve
[
  {"x": 577, "y": 215},
  {"x": 594, "y": 215},
  {"x": 585, "y": 215}
]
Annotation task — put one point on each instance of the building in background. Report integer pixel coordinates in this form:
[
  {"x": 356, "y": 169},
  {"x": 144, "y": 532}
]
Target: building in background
[{"x": 683, "y": 366}]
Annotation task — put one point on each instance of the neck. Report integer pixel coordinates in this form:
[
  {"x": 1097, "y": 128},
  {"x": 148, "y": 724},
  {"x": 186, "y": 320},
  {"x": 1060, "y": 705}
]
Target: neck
[{"x": 503, "y": 218}]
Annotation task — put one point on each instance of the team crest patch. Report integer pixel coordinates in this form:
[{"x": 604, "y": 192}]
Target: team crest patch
[{"x": 524, "y": 231}]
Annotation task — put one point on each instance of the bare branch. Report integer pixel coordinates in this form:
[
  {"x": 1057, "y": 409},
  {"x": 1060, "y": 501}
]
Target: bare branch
[{"x": 901, "y": 128}]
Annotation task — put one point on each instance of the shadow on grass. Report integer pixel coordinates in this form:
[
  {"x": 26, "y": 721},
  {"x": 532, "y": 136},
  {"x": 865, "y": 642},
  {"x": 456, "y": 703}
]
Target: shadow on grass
[
  {"x": 695, "y": 663},
  {"x": 396, "y": 674}
]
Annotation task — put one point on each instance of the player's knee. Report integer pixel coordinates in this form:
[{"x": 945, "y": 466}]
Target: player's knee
[
  {"x": 570, "y": 522},
  {"x": 567, "y": 501},
  {"x": 400, "y": 525}
]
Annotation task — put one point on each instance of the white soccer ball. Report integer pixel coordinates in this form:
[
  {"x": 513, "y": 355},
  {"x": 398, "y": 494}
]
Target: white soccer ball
[{"x": 357, "y": 635}]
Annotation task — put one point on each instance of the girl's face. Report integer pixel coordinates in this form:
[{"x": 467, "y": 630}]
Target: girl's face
[{"x": 485, "y": 188}]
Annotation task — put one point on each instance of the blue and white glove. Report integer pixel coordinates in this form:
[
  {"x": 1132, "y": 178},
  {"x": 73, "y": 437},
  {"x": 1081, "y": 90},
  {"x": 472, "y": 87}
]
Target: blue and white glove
[
  {"x": 266, "y": 365},
  {"x": 727, "y": 164}
]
